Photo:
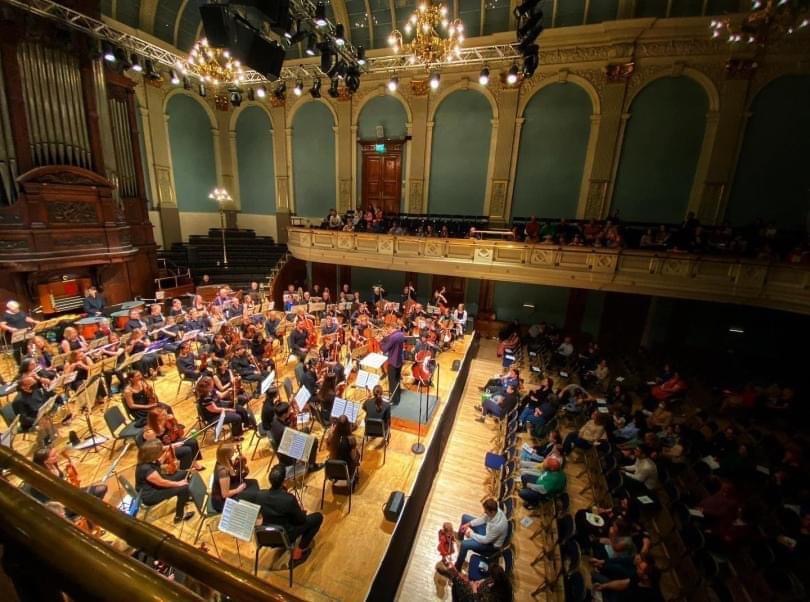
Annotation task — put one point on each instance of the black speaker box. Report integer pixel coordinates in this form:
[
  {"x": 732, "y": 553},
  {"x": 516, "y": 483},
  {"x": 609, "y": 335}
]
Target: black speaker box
[
  {"x": 456, "y": 365},
  {"x": 218, "y": 25},
  {"x": 256, "y": 52},
  {"x": 393, "y": 507}
]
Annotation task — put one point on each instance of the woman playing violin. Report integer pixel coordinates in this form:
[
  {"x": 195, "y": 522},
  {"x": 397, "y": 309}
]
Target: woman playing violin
[
  {"x": 163, "y": 427},
  {"x": 139, "y": 398},
  {"x": 230, "y": 481},
  {"x": 48, "y": 458},
  {"x": 224, "y": 383},
  {"x": 72, "y": 341}
]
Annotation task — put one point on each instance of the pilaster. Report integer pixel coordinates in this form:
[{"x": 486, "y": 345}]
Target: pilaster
[
  {"x": 504, "y": 134},
  {"x": 418, "y": 156}
]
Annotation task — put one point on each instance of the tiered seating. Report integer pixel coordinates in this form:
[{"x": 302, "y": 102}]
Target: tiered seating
[{"x": 250, "y": 257}]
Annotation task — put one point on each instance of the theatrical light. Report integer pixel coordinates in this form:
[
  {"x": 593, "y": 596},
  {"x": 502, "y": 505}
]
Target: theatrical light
[
  {"x": 202, "y": 90},
  {"x": 312, "y": 43},
  {"x": 173, "y": 77},
  {"x": 483, "y": 78},
  {"x": 434, "y": 81},
  {"x": 281, "y": 91},
  {"x": 320, "y": 14},
  {"x": 353, "y": 78},
  {"x": 186, "y": 83},
  {"x": 122, "y": 59},
  {"x": 524, "y": 8},
  {"x": 315, "y": 90},
  {"x": 299, "y": 88},
  {"x": 512, "y": 75},
  {"x": 261, "y": 92},
  {"x": 327, "y": 57},
  {"x": 251, "y": 94},
  {"x": 236, "y": 98},
  {"x": 531, "y": 62},
  {"x": 136, "y": 62},
  {"x": 532, "y": 28},
  {"x": 109, "y": 53},
  {"x": 333, "y": 88},
  {"x": 393, "y": 84},
  {"x": 361, "y": 55},
  {"x": 151, "y": 72},
  {"x": 339, "y": 33}
]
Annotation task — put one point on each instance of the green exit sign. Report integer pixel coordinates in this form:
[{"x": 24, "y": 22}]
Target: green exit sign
[{"x": 380, "y": 148}]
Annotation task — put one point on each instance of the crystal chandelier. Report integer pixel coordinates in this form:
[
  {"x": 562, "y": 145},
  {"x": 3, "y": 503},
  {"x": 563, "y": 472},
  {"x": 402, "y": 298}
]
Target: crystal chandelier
[
  {"x": 768, "y": 19},
  {"x": 434, "y": 38},
  {"x": 214, "y": 66}
]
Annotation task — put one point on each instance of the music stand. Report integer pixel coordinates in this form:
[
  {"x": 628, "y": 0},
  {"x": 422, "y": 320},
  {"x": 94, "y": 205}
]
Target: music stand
[
  {"x": 218, "y": 430},
  {"x": 418, "y": 447},
  {"x": 238, "y": 520},
  {"x": 7, "y": 438},
  {"x": 267, "y": 382},
  {"x": 298, "y": 446},
  {"x": 86, "y": 396},
  {"x": 344, "y": 407}
]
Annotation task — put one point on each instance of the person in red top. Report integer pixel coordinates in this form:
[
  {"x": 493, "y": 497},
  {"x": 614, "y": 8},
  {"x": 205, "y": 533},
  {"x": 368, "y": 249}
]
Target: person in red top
[
  {"x": 447, "y": 541},
  {"x": 669, "y": 388}
]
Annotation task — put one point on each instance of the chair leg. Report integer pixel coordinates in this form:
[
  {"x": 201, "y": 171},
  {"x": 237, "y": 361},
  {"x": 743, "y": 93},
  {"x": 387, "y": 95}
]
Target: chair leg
[
  {"x": 199, "y": 529},
  {"x": 112, "y": 446},
  {"x": 351, "y": 487},
  {"x": 323, "y": 492},
  {"x": 292, "y": 566},
  {"x": 256, "y": 561},
  {"x": 385, "y": 448}
]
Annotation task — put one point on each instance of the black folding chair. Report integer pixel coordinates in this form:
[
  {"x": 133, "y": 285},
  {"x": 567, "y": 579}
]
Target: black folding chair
[
  {"x": 338, "y": 470},
  {"x": 119, "y": 428},
  {"x": 273, "y": 536},
  {"x": 375, "y": 429}
]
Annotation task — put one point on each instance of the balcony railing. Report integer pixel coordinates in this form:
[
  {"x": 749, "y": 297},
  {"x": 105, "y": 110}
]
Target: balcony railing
[{"x": 708, "y": 278}]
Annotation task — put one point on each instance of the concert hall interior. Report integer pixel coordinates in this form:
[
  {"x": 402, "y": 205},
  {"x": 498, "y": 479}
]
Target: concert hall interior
[{"x": 404, "y": 300}]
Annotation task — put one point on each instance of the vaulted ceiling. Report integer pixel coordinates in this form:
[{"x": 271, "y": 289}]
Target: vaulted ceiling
[{"x": 370, "y": 21}]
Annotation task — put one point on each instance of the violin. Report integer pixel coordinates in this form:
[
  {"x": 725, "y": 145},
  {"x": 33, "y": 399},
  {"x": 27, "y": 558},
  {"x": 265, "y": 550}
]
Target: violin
[
  {"x": 174, "y": 430},
  {"x": 70, "y": 471},
  {"x": 151, "y": 398},
  {"x": 241, "y": 467},
  {"x": 170, "y": 465}
]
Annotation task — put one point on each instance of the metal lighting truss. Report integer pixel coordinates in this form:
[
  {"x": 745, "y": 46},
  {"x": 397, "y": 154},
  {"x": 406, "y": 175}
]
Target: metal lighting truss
[{"x": 301, "y": 9}]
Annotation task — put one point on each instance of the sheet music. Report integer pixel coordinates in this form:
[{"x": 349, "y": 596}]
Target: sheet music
[
  {"x": 366, "y": 380},
  {"x": 344, "y": 407},
  {"x": 239, "y": 518},
  {"x": 220, "y": 424},
  {"x": 374, "y": 361},
  {"x": 303, "y": 418},
  {"x": 267, "y": 382},
  {"x": 45, "y": 408},
  {"x": 301, "y": 398},
  {"x": 295, "y": 444}
]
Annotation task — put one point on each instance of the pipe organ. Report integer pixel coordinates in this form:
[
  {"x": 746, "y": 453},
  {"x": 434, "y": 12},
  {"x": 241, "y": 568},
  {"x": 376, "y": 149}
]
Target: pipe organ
[{"x": 72, "y": 193}]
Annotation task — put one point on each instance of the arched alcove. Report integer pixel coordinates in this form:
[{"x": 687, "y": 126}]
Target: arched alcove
[
  {"x": 661, "y": 147},
  {"x": 313, "y": 150},
  {"x": 772, "y": 180},
  {"x": 192, "y": 151},
  {"x": 551, "y": 156},
  {"x": 254, "y": 152},
  {"x": 460, "y": 154}
]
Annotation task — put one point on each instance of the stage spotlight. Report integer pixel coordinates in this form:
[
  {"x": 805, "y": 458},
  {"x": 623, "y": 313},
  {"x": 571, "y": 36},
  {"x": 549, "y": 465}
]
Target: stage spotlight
[
  {"x": 531, "y": 62},
  {"x": 173, "y": 77},
  {"x": 203, "y": 92},
  {"x": 524, "y": 8},
  {"x": 109, "y": 53},
  {"x": 434, "y": 81},
  {"x": 483, "y": 78},
  {"x": 236, "y": 98},
  {"x": 261, "y": 92},
  {"x": 327, "y": 58},
  {"x": 361, "y": 55},
  {"x": 340, "y": 32},
  {"x": 320, "y": 14},
  {"x": 299, "y": 88},
  {"x": 533, "y": 27},
  {"x": 315, "y": 90},
  {"x": 353, "y": 78},
  {"x": 151, "y": 72},
  {"x": 393, "y": 84},
  {"x": 281, "y": 90},
  {"x": 136, "y": 63},
  {"x": 333, "y": 88},
  {"x": 512, "y": 75},
  {"x": 312, "y": 44},
  {"x": 121, "y": 58},
  {"x": 251, "y": 93},
  {"x": 186, "y": 83}
]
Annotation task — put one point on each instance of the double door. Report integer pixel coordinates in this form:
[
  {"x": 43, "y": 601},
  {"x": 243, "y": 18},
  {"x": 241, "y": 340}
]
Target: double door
[{"x": 382, "y": 175}]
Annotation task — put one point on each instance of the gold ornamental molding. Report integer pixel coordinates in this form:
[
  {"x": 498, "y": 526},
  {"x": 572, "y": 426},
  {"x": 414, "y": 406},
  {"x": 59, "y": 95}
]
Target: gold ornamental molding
[{"x": 705, "y": 278}]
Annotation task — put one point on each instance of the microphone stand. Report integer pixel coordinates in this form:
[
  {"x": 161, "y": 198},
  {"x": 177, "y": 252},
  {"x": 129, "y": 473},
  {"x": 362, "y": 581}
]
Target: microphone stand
[{"x": 418, "y": 447}]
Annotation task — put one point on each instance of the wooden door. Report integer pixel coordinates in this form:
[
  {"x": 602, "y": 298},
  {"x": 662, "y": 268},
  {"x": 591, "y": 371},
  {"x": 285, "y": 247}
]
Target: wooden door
[{"x": 382, "y": 176}]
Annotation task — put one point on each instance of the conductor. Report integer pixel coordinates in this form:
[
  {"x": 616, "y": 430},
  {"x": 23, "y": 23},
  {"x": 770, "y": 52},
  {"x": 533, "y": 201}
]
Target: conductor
[{"x": 393, "y": 346}]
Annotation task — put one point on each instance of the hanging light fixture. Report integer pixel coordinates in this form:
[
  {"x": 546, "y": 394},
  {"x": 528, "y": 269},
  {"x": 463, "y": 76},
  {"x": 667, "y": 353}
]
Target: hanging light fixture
[
  {"x": 434, "y": 80},
  {"x": 393, "y": 84},
  {"x": 483, "y": 77},
  {"x": 512, "y": 75},
  {"x": 214, "y": 66},
  {"x": 299, "y": 88},
  {"x": 435, "y": 39},
  {"x": 767, "y": 20}
]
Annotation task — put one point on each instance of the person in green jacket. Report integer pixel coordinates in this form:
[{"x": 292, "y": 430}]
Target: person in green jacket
[{"x": 548, "y": 483}]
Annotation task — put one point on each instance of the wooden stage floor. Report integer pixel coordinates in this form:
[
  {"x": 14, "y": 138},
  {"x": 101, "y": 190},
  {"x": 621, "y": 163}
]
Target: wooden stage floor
[{"x": 348, "y": 548}]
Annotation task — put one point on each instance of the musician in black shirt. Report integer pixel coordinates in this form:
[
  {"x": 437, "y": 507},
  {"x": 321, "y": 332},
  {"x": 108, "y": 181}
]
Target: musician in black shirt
[
  {"x": 298, "y": 341},
  {"x": 154, "y": 487},
  {"x": 93, "y": 303},
  {"x": 186, "y": 362},
  {"x": 29, "y": 399},
  {"x": 135, "y": 321},
  {"x": 281, "y": 508},
  {"x": 210, "y": 406},
  {"x": 12, "y": 320},
  {"x": 282, "y": 420}
]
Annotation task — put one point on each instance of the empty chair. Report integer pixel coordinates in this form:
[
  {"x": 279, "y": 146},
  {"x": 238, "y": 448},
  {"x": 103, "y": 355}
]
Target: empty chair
[
  {"x": 338, "y": 470},
  {"x": 565, "y": 531},
  {"x": 375, "y": 429},
  {"x": 119, "y": 429}
]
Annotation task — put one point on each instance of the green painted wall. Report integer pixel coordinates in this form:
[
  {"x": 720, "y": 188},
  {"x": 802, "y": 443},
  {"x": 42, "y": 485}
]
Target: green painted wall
[
  {"x": 772, "y": 180},
  {"x": 471, "y": 296},
  {"x": 192, "y": 148},
  {"x": 594, "y": 305},
  {"x": 363, "y": 279},
  {"x": 254, "y": 152},
  {"x": 550, "y": 303},
  {"x": 661, "y": 148},
  {"x": 460, "y": 154},
  {"x": 388, "y": 112},
  {"x": 551, "y": 158},
  {"x": 313, "y": 142}
]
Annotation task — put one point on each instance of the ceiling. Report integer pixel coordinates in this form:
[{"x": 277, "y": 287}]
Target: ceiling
[{"x": 370, "y": 21}]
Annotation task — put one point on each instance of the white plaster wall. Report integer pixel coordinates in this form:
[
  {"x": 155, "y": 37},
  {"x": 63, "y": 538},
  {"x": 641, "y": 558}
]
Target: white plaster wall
[
  {"x": 264, "y": 225},
  {"x": 197, "y": 223},
  {"x": 154, "y": 217}
]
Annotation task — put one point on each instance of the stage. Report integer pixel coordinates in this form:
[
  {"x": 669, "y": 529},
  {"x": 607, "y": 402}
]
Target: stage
[{"x": 349, "y": 547}]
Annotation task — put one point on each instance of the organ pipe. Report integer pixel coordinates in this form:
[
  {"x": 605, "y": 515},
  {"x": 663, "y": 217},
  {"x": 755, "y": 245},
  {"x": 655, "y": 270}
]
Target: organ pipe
[{"x": 8, "y": 158}]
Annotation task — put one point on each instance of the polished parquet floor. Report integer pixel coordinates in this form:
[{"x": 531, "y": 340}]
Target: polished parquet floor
[{"x": 349, "y": 546}]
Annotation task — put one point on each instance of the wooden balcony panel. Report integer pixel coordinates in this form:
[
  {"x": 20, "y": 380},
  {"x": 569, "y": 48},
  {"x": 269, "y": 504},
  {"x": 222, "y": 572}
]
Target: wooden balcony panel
[{"x": 686, "y": 276}]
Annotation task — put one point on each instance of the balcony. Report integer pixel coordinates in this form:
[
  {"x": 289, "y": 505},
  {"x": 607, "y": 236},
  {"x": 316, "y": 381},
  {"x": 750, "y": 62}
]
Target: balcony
[{"x": 707, "y": 278}]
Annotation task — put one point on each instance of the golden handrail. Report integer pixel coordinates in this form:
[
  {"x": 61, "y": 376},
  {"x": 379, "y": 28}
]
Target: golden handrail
[
  {"x": 89, "y": 565},
  {"x": 153, "y": 541}
]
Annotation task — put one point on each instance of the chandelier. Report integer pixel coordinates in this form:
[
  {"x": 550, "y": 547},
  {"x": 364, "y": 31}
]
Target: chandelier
[
  {"x": 434, "y": 38},
  {"x": 214, "y": 66},
  {"x": 767, "y": 19}
]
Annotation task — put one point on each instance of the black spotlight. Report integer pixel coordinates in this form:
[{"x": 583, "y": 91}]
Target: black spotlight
[
  {"x": 315, "y": 90},
  {"x": 312, "y": 45},
  {"x": 524, "y": 7},
  {"x": 512, "y": 75},
  {"x": 108, "y": 52},
  {"x": 341, "y": 69},
  {"x": 533, "y": 27},
  {"x": 353, "y": 78},
  {"x": 531, "y": 61},
  {"x": 202, "y": 90},
  {"x": 186, "y": 83},
  {"x": 235, "y": 97},
  {"x": 251, "y": 94},
  {"x": 320, "y": 14},
  {"x": 333, "y": 88},
  {"x": 173, "y": 77},
  {"x": 361, "y": 55},
  {"x": 327, "y": 57},
  {"x": 281, "y": 90},
  {"x": 152, "y": 73},
  {"x": 121, "y": 58},
  {"x": 261, "y": 92},
  {"x": 340, "y": 33},
  {"x": 136, "y": 63}
]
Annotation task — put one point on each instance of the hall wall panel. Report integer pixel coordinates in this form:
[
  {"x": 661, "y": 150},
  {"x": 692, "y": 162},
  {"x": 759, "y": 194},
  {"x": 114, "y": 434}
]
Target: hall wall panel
[
  {"x": 313, "y": 149},
  {"x": 254, "y": 151}
]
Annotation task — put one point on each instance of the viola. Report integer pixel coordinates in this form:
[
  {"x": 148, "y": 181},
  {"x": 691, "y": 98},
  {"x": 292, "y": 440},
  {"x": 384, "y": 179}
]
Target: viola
[
  {"x": 241, "y": 467},
  {"x": 170, "y": 465},
  {"x": 70, "y": 471}
]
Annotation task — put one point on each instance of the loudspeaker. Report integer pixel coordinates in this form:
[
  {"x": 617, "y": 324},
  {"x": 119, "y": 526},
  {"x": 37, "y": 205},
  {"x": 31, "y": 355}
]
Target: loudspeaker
[
  {"x": 218, "y": 25},
  {"x": 393, "y": 507},
  {"x": 456, "y": 365},
  {"x": 257, "y": 53}
]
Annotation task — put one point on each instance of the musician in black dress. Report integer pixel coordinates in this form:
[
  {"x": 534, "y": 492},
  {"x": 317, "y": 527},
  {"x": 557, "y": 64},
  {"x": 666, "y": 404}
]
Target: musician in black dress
[
  {"x": 30, "y": 397},
  {"x": 186, "y": 362},
  {"x": 210, "y": 406},
  {"x": 154, "y": 487},
  {"x": 140, "y": 398},
  {"x": 187, "y": 451}
]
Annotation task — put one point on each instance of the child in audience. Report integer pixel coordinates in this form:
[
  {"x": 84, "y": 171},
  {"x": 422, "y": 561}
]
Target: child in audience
[{"x": 447, "y": 538}]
